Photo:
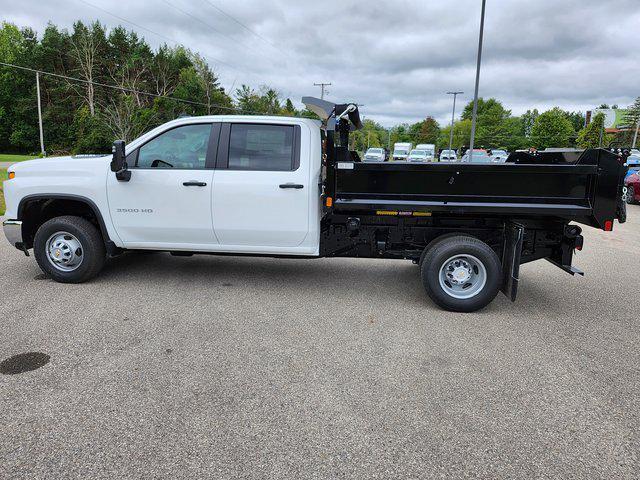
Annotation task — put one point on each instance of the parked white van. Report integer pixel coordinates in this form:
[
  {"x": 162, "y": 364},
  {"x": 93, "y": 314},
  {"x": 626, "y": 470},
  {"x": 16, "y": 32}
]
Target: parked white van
[
  {"x": 430, "y": 148},
  {"x": 401, "y": 150}
]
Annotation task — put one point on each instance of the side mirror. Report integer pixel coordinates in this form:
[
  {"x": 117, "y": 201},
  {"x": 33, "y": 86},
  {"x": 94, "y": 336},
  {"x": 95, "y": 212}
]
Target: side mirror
[{"x": 119, "y": 161}]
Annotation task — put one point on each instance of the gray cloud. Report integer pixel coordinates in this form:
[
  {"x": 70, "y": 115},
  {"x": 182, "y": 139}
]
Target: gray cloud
[{"x": 397, "y": 58}]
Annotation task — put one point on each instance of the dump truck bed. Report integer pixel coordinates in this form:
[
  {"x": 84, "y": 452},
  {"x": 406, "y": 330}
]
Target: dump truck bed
[{"x": 585, "y": 189}]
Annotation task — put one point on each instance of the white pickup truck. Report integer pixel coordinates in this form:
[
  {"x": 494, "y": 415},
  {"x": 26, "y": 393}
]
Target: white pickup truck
[{"x": 286, "y": 187}]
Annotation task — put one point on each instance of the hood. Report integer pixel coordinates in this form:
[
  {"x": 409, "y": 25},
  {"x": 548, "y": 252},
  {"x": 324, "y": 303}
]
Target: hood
[
  {"x": 62, "y": 167},
  {"x": 68, "y": 163}
]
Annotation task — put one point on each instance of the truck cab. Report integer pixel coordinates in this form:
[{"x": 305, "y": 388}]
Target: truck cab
[{"x": 209, "y": 184}]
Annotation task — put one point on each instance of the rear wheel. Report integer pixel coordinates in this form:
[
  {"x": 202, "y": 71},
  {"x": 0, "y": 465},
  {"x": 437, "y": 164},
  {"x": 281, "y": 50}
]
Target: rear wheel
[
  {"x": 631, "y": 195},
  {"x": 69, "y": 249},
  {"x": 461, "y": 273}
]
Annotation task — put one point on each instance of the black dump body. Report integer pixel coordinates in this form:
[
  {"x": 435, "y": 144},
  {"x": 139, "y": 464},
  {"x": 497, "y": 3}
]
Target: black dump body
[
  {"x": 585, "y": 188},
  {"x": 523, "y": 209}
]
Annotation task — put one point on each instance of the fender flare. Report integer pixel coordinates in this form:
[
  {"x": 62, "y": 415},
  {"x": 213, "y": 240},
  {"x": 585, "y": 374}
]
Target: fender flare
[{"x": 109, "y": 244}]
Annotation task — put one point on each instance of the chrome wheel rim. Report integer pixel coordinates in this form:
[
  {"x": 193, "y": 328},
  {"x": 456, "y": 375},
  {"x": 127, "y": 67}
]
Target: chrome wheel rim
[
  {"x": 64, "y": 251},
  {"x": 462, "y": 276}
]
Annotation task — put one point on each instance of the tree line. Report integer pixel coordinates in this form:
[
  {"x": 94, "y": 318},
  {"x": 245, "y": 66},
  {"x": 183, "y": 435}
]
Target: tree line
[
  {"x": 155, "y": 86},
  {"x": 498, "y": 128}
]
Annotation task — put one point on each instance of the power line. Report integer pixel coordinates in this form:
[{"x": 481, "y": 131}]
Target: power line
[
  {"x": 216, "y": 60},
  {"x": 125, "y": 89},
  {"x": 140, "y": 92},
  {"x": 245, "y": 26},
  {"x": 184, "y": 12}
]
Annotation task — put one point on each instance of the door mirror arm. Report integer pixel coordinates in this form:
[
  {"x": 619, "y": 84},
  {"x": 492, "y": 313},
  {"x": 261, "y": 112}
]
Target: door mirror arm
[{"x": 119, "y": 161}]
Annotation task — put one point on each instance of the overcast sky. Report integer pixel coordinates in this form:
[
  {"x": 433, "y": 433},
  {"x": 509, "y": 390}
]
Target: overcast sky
[{"x": 398, "y": 58}]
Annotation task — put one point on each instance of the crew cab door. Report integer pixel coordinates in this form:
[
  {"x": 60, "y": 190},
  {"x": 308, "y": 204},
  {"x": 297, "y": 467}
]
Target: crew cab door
[
  {"x": 260, "y": 188},
  {"x": 167, "y": 201}
]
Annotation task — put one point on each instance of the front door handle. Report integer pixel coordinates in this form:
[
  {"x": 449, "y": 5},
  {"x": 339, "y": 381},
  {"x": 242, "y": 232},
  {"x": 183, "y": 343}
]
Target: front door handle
[
  {"x": 194, "y": 183},
  {"x": 291, "y": 185}
]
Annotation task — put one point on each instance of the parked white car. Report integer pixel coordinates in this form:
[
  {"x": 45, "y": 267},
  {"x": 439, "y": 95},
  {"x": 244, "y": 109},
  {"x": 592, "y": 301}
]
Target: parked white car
[
  {"x": 430, "y": 148},
  {"x": 419, "y": 156},
  {"x": 448, "y": 156},
  {"x": 479, "y": 156},
  {"x": 375, "y": 155}
]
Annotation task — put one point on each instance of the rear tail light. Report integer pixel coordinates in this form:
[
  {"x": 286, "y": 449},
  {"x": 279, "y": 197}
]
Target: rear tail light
[{"x": 608, "y": 225}]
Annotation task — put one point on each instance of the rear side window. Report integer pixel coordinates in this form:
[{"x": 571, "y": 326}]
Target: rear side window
[
  {"x": 182, "y": 147},
  {"x": 261, "y": 147}
]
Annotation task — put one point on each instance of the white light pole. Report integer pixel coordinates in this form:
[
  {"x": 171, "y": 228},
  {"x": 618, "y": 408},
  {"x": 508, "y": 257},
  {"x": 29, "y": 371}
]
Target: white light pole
[
  {"x": 453, "y": 114},
  {"x": 475, "y": 95}
]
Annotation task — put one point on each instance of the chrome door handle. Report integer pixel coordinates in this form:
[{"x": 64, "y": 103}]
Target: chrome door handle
[
  {"x": 194, "y": 183},
  {"x": 291, "y": 185}
]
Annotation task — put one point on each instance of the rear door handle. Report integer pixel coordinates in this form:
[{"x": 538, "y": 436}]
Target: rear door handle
[
  {"x": 291, "y": 185},
  {"x": 194, "y": 183}
]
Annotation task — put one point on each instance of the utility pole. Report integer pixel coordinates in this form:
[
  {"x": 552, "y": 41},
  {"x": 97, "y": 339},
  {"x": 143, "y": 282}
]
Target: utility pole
[
  {"x": 368, "y": 136},
  {"x": 635, "y": 135},
  {"x": 601, "y": 132},
  {"x": 475, "y": 95},
  {"x": 40, "y": 115},
  {"x": 453, "y": 114},
  {"x": 322, "y": 85}
]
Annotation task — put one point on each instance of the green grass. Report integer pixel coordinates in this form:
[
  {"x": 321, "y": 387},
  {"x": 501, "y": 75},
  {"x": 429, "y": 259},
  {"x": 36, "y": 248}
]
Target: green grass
[
  {"x": 8, "y": 157},
  {"x": 3, "y": 177}
]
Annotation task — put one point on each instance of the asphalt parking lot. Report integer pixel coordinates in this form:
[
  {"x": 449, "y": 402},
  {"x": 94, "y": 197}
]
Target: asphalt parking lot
[{"x": 225, "y": 367}]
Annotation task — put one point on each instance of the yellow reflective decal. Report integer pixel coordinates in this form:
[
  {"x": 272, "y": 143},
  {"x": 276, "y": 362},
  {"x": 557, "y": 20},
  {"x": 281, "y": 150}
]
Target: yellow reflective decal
[{"x": 386, "y": 212}]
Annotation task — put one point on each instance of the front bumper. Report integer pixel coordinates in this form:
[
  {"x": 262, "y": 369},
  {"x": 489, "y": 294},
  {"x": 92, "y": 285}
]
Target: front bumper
[{"x": 13, "y": 232}]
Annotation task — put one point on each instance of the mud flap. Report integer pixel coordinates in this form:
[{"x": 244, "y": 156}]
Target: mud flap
[
  {"x": 563, "y": 256},
  {"x": 511, "y": 253}
]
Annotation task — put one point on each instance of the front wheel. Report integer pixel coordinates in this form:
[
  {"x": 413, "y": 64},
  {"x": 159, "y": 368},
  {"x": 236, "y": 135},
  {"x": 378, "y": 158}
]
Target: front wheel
[
  {"x": 461, "y": 273},
  {"x": 69, "y": 249},
  {"x": 631, "y": 195}
]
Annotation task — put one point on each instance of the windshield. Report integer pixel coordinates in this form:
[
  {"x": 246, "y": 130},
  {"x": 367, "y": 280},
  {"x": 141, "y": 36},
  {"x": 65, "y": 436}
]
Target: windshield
[
  {"x": 374, "y": 150},
  {"x": 419, "y": 153},
  {"x": 448, "y": 152},
  {"x": 499, "y": 152},
  {"x": 401, "y": 152}
]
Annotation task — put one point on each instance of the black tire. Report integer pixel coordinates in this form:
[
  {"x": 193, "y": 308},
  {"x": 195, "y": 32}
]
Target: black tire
[
  {"x": 439, "y": 252},
  {"x": 439, "y": 239},
  {"x": 631, "y": 195},
  {"x": 92, "y": 251}
]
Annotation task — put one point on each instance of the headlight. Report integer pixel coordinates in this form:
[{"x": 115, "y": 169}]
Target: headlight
[{"x": 12, "y": 175}]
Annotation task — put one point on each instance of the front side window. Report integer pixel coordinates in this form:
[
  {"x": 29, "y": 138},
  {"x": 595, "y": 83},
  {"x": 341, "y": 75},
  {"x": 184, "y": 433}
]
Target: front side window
[
  {"x": 261, "y": 147},
  {"x": 182, "y": 147}
]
